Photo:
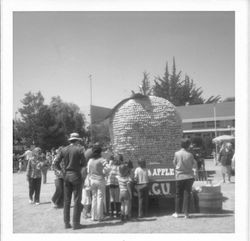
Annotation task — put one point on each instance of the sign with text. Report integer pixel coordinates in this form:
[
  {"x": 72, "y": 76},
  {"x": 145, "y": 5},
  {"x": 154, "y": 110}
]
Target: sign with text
[
  {"x": 160, "y": 172},
  {"x": 162, "y": 189},
  {"x": 166, "y": 189}
]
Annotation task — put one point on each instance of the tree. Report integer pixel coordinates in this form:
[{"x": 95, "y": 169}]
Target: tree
[
  {"x": 100, "y": 132},
  {"x": 178, "y": 91},
  {"x": 175, "y": 86},
  {"x": 162, "y": 85},
  {"x": 189, "y": 94},
  {"x": 48, "y": 134},
  {"x": 213, "y": 99},
  {"x": 229, "y": 99},
  {"x": 145, "y": 88},
  {"x": 68, "y": 116},
  {"x": 169, "y": 86},
  {"x": 47, "y": 126},
  {"x": 32, "y": 105}
]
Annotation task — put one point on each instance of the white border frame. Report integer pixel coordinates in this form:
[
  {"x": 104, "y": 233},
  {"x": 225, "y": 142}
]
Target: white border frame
[{"x": 241, "y": 196}]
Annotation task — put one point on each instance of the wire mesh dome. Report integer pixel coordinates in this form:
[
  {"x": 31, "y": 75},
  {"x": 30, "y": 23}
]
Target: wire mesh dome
[{"x": 147, "y": 128}]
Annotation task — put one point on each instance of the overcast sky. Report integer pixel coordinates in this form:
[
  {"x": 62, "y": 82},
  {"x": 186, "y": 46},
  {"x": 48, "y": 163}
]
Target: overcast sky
[{"x": 55, "y": 52}]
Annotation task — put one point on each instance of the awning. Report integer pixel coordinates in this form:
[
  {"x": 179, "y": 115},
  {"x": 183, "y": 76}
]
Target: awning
[{"x": 208, "y": 130}]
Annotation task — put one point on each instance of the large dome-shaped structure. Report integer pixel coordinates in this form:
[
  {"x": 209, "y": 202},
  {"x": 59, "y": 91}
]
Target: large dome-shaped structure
[{"x": 145, "y": 127}]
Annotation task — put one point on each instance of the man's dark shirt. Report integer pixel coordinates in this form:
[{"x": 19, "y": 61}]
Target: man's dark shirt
[
  {"x": 72, "y": 157},
  {"x": 197, "y": 153}
]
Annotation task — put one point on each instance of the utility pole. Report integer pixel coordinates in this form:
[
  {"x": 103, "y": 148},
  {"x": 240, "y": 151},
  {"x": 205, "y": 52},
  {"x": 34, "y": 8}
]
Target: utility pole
[
  {"x": 215, "y": 126},
  {"x": 215, "y": 129},
  {"x": 90, "y": 84}
]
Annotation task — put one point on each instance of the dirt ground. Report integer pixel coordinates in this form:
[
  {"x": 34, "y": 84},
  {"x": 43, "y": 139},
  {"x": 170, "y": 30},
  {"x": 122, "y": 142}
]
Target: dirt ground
[{"x": 45, "y": 219}]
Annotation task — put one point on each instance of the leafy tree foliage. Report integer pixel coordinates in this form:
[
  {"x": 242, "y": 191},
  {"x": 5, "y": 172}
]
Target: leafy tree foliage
[
  {"x": 189, "y": 94},
  {"x": 68, "y": 116},
  {"x": 145, "y": 87},
  {"x": 32, "y": 106},
  {"x": 229, "y": 99},
  {"x": 162, "y": 85},
  {"x": 213, "y": 99},
  {"x": 178, "y": 91},
  {"x": 100, "y": 133},
  {"x": 47, "y": 125}
]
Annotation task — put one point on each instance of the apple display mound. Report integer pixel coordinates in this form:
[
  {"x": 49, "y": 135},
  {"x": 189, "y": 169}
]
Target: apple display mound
[{"x": 147, "y": 128}]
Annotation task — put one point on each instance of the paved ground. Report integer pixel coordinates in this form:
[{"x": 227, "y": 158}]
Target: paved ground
[{"x": 44, "y": 219}]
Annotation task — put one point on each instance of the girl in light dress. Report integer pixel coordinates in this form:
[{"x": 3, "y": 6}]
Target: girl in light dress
[{"x": 86, "y": 198}]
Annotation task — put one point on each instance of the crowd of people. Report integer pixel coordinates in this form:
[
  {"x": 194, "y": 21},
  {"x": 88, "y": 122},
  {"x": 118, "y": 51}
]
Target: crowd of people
[{"x": 103, "y": 183}]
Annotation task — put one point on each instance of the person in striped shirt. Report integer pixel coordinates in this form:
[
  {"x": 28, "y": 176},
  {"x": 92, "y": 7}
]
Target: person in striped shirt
[
  {"x": 124, "y": 181},
  {"x": 113, "y": 185}
]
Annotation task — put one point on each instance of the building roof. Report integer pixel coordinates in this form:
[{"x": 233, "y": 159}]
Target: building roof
[
  {"x": 224, "y": 110},
  {"x": 98, "y": 113},
  {"x": 207, "y": 111}
]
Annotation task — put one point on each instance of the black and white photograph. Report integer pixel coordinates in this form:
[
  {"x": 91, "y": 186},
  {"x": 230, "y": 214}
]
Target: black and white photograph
[{"x": 125, "y": 121}]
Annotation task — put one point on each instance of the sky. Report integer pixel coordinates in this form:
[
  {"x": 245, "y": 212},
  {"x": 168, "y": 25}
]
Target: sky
[{"x": 55, "y": 52}]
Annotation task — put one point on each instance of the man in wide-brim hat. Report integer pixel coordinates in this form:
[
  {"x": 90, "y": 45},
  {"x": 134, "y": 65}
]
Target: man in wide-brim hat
[
  {"x": 73, "y": 158},
  {"x": 74, "y": 136}
]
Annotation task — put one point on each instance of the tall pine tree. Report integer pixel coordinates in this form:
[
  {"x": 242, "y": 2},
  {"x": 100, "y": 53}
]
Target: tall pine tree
[
  {"x": 145, "y": 88},
  {"x": 178, "y": 91},
  {"x": 162, "y": 85}
]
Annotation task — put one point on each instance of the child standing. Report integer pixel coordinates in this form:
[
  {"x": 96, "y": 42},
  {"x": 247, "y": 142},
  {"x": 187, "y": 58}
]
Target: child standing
[
  {"x": 125, "y": 191},
  {"x": 113, "y": 185},
  {"x": 34, "y": 175},
  {"x": 142, "y": 180},
  {"x": 86, "y": 198},
  {"x": 130, "y": 166}
]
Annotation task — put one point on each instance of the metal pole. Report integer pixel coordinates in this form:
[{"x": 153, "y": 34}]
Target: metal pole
[
  {"x": 215, "y": 126},
  {"x": 91, "y": 131},
  {"x": 90, "y": 83},
  {"x": 215, "y": 129}
]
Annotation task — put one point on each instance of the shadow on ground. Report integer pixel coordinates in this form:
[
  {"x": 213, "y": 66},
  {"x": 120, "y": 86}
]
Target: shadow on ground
[{"x": 117, "y": 222}]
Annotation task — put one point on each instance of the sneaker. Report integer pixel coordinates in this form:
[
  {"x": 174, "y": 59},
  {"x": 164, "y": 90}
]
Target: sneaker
[
  {"x": 54, "y": 205},
  {"x": 175, "y": 215},
  {"x": 30, "y": 201},
  {"x": 37, "y": 203}
]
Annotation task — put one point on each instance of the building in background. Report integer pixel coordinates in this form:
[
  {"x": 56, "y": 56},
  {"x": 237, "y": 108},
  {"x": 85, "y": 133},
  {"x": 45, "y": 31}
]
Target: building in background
[
  {"x": 204, "y": 121},
  {"x": 197, "y": 120},
  {"x": 208, "y": 120}
]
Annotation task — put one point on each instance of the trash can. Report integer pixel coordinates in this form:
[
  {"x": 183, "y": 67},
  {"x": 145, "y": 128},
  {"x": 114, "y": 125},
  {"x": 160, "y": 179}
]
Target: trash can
[{"x": 210, "y": 199}]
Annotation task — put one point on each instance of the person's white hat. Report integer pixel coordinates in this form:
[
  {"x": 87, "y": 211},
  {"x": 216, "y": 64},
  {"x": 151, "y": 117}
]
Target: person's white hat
[{"x": 74, "y": 136}]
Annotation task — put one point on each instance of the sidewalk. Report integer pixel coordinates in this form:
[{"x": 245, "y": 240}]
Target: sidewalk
[{"x": 45, "y": 219}]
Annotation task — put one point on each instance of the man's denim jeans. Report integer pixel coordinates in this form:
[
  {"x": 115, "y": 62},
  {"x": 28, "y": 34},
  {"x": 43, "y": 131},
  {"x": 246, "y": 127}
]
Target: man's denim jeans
[
  {"x": 72, "y": 184},
  {"x": 183, "y": 192},
  {"x": 142, "y": 190},
  {"x": 34, "y": 187}
]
